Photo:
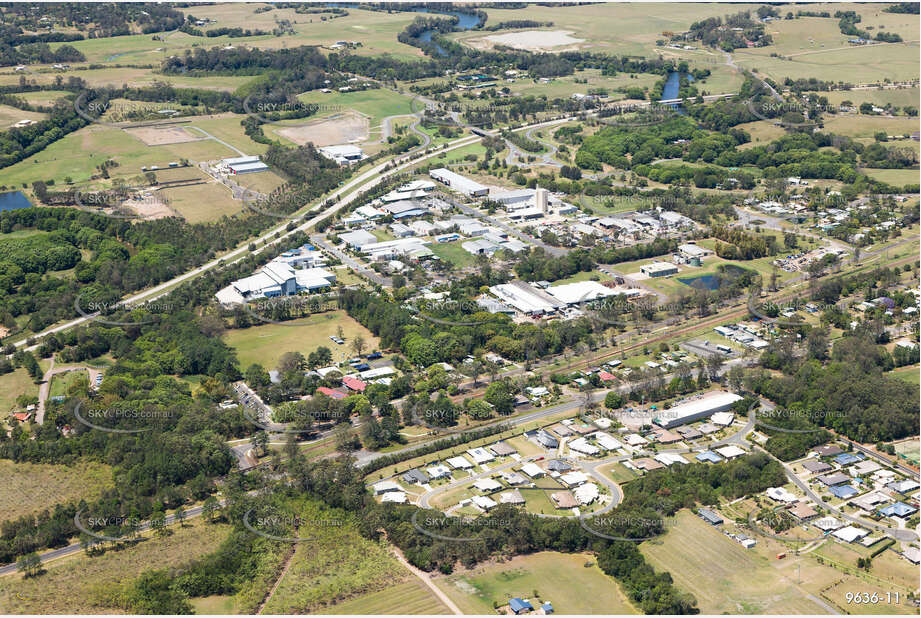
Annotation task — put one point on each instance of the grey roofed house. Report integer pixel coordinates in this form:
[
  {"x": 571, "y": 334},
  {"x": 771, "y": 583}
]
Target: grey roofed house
[
  {"x": 828, "y": 450},
  {"x": 558, "y": 465},
  {"x": 834, "y": 479},
  {"x": 816, "y": 466},
  {"x": 547, "y": 440},
  {"x": 513, "y": 478},
  {"x": 689, "y": 432},
  {"x": 501, "y": 449},
  {"x": 708, "y": 428},
  {"x": 416, "y": 476}
]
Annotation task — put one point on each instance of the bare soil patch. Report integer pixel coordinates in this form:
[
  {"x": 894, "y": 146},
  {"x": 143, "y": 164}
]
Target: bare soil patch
[
  {"x": 536, "y": 40},
  {"x": 161, "y": 136},
  {"x": 346, "y": 128}
]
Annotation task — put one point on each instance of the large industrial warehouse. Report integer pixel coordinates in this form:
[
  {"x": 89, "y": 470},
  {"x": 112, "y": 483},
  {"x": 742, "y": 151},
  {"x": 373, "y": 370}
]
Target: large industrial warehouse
[{"x": 711, "y": 403}]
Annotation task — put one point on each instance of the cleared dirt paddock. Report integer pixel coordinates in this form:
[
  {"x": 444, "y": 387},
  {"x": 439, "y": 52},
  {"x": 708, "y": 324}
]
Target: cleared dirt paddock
[
  {"x": 346, "y": 128},
  {"x": 160, "y": 136}
]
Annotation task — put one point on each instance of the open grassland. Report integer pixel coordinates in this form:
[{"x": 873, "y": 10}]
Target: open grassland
[
  {"x": 761, "y": 131},
  {"x": 377, "y": 32},
  {"x": 573, "y": 583},
  {"x": 878, "y": 96},
  {"x": 262, "y": 182},
  {"x": 29, "y": 488},
  {"x": 616, "y": 29},
  {"x": 77, "y": 155},
  {"x": 117, "y": 76},
  {"x": 12, "y": 385},
  {"x": 724, "y": 576},
  {"x": 83, "y": 585},
  {"x": 376, "y": 104},
  {"x": 227, "y": 127},
  {"x": 337, "y": 564},
  {"x": 453, "y": 252},
  {"x": 411, "y": 597},
  {"x": 265, "y": 344},
  {"x": 201, "y": 203},
  {"x": 866, "y": 126},
  {"x": 61, "y": 382},
  {"x": 565, "y": 87},
  {"x": 11, "y": 115},
  {"x": 893, "y": 177},
  {"x": 43, "y": 97},
  {"x": 835, "y": 62},
  {"x": 618, "y": 472}
]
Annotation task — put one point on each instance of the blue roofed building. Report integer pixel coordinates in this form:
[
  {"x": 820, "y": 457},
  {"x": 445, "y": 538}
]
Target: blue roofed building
[
  {"x": 899, "y": 509},
  {"x": 547, "y": 607},
  {"x": 709, "y": 456},
  {"x": 843, "y": 491},
  {"x": 520, "y": 605},
  {"x": 846, "y": 459}
]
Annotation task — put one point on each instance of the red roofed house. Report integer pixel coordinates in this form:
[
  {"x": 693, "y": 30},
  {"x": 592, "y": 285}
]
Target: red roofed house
[
  {"x": 605, "y": 376},
  {"x": 354, "y": 383},
  {"x": 22, "y": 417},
  {"x": 331, "y": 393}
]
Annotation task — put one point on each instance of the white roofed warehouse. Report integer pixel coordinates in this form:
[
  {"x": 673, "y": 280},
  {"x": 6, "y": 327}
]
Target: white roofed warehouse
[
  {"x": 688, "y": 412},
  {"x": 459, "y": 183},
  {"x": 244, "y": 165}
]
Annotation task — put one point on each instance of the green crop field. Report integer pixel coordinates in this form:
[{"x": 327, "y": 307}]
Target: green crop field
[
  {"x": 265, "y": 344},
  {"x": 723, "y": 575},
  {"x": 28, "y": 488},
  {"x": 411, "y": 597},
  {"x": 573, "y": 583},
  {"x": 84, "y": 585}
]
